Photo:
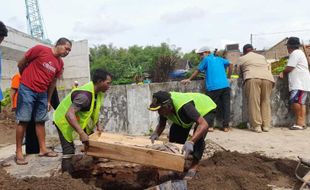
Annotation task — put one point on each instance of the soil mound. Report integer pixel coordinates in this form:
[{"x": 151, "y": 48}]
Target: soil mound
[
  {"x": 62, "y": 182},
  {"x": 235, "y": 171}
]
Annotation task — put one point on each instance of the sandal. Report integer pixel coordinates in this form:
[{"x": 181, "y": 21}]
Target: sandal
[
  {"x": 297, "y": 127},
  {"x": 48, "y": 154},
  {"x": 20, "y": 161}
]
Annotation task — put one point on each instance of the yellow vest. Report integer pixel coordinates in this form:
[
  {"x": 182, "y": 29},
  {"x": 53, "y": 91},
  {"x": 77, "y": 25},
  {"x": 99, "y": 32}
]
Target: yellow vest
[
  {"x": 203, "y": 104},
  {"x": 83, "y": 117}
]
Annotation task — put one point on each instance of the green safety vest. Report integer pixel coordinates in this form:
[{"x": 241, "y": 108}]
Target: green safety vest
[
  {"x": 203, "y": 104},
  {"x": 83, "y": 117}
]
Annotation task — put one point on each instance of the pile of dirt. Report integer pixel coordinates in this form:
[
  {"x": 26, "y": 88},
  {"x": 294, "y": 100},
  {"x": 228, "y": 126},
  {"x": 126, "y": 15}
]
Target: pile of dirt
[
  {"x": 233, "y": 170},
  {"x": 7, "y": 132},
  {"x": 61, "y": 182}
]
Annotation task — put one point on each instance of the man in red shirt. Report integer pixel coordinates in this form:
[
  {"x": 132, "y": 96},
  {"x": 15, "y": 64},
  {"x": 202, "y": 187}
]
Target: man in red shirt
[{"x": 39, "y": 68}]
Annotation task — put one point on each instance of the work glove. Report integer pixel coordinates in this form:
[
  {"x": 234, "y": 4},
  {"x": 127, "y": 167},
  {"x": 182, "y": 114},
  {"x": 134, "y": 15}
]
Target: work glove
[
  {"x": 188, "y": 148},
  {"x": 154, "y": 137}
]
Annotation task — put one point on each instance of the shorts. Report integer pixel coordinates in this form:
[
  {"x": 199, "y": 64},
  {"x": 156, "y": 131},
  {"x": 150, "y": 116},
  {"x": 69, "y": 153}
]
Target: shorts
[
  {"x": 31, "y": 104},
  {"x": 298, "y": 96}
]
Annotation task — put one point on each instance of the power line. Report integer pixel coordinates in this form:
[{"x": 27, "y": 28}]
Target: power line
[{"x": 274, "y": 33}]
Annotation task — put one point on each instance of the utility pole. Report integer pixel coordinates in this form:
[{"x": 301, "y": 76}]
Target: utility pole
[{"x": 251, "y": 39}]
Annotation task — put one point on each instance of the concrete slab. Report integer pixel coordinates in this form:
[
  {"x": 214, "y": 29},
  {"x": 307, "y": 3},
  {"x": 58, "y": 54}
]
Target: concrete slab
[
  {"x": 36, "y": 167},
  {"x": 277, "y": 143}
]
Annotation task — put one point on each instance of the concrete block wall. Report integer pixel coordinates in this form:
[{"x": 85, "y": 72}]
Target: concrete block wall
[{"x": 125, "y": 106}]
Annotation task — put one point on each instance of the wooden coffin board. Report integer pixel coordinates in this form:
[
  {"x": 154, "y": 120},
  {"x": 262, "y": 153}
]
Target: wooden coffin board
[{"x": 133, "y": 149}]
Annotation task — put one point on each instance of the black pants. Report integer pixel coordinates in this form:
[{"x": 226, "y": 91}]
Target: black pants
[
  {"x": 32, "y": 143},
  {"x": 179, "y": 135},
  {"x": 221, "y": 98},
  {"x": 67, "y": 147}
]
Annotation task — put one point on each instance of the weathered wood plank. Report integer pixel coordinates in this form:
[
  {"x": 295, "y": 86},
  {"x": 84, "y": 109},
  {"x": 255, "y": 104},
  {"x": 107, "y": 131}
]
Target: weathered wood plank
[{"x": 133, "y": 149}]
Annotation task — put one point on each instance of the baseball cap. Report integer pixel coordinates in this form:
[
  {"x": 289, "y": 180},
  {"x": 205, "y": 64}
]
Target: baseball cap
[
  {"x": 293, "y": 42},
  {"x": 160, "y": 98},
  {"x": 202, "y": 49}
]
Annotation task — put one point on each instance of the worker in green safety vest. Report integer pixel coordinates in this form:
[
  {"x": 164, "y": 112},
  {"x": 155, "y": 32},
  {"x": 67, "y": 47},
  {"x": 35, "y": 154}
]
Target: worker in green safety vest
[
  {"x": 79, "y": 112},
  {"x": 184, "y": 110}
]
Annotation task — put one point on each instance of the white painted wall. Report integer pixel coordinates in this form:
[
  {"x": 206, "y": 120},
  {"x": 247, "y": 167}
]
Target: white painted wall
[{"x": 17, "y": 43}]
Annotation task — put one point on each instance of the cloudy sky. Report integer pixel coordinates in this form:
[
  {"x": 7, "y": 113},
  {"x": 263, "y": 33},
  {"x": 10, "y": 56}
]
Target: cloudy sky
[{"x": 187, "y": 24}]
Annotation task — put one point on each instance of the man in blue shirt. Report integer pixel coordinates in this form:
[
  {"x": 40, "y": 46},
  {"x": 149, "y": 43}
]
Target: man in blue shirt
[{"x": 217, "y": 84}]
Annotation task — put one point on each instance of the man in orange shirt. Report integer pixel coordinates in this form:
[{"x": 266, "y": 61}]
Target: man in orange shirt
[{"x": 14, "y": 90}]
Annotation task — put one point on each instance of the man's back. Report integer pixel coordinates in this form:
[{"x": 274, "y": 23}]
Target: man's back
[
  {"x": 253, "y": 65},
  {"x": 215, "y": 70}
]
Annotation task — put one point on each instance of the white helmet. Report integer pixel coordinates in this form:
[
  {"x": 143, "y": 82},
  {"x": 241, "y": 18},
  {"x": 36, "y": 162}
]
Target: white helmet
[{"x": 202, "y": 49}]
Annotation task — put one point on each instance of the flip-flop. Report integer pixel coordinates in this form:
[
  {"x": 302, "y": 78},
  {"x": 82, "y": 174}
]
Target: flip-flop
[
  {"x": 190, "y": 174},
  {"x": 297, "y": 127},
  {"x": 20, "y": 161},
  {"x": 48, "y": 154}
]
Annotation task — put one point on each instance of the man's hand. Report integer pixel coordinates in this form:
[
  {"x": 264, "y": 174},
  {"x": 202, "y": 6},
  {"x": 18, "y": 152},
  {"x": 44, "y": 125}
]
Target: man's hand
[
  {"x": 188, "y": 148},
  {"x": 84, "y": 138},
  {"x": 185, "y": 81},
  {"x": 281, "y": 75},
  {"x": 99, "y": 129},
  {"x": 154, "y": 137},
  {"x": 49, "y": 106}
]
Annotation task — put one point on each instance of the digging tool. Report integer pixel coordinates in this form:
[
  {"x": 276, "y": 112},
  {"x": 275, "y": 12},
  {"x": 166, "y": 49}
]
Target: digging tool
[{"x": 306, "y": 178}]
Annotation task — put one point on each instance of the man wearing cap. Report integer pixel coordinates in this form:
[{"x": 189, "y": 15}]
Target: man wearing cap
[
  {"x": 298, "y": 81},
  {"x": 217, "y": 84},
  {"x": 184, "y": 109},
  {"x": 258, "y": 82}
]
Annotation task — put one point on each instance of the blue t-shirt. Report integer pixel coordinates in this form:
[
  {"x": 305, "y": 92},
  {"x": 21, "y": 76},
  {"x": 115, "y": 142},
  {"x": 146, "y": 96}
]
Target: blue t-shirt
[{"x": 215, "y": 69}]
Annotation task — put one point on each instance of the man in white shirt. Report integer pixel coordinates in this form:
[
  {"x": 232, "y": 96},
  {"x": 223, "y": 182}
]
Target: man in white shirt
[{"x": 299, "y": 81}]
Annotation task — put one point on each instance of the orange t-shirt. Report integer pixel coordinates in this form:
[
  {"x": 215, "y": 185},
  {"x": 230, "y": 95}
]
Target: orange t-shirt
[{"x": 15, "y": 85}]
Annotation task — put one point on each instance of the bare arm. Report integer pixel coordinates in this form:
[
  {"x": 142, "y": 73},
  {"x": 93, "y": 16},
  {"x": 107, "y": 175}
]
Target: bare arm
[
  {"x": 186, "y": 81},
  {"x": 201, "y": 129},
  {"x": 72, "y": 120},
  {"x": 287, "y": 70},
  {"x": 160, "y": 127},
  {"x": 50, "y": 91},
  {"x": 22, "y": 64}
]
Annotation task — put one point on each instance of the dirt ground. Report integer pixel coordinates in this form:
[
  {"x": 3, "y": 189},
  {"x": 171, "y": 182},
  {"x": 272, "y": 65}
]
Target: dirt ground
[
  {"x": 61, "y": 182},
  {"x": 223, "y": 170}
]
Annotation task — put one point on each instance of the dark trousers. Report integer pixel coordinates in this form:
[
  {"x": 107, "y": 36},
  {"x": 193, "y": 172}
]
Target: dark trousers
[
  {"x": 179, "y": 135},
  {"x": 32, "y": 143},
  {"x": 221, "y": 97},
  {"x": 67, "y": 147},
  {"x": 67, "y": 150}
]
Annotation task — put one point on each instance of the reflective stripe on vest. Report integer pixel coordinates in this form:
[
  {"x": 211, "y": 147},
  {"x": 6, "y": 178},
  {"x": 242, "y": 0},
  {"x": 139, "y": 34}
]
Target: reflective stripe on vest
[
  {"x": 84, "y": 117},
  {"x": 203, "y": 105}
]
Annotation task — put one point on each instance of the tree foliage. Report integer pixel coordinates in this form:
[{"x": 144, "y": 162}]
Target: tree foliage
[{"x": 128, "y": 64}]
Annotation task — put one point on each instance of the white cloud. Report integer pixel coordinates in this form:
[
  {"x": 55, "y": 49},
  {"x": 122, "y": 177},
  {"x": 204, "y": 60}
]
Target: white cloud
[{"x": 184, "y": 15}]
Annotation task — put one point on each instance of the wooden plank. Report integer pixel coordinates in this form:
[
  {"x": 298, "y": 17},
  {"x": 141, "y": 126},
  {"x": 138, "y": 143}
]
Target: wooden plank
[{"x": 133, "y": 149}]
